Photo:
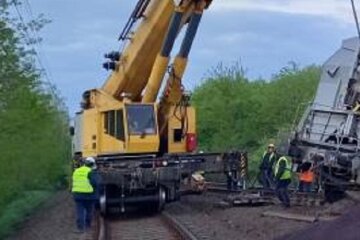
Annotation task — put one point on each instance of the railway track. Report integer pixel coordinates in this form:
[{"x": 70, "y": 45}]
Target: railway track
[
  {"x": 257, "y": 196},
  {"x": 167, "y": 225},
  {"x": 162, "y": 226}
]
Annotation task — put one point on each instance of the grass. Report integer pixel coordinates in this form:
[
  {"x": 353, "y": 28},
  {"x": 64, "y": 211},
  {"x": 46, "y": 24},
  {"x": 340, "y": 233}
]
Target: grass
[{"x": 17, "y": 210}]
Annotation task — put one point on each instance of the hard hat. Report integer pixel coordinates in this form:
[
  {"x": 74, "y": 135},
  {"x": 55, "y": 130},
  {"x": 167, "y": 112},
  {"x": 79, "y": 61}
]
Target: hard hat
[
  {"x": 271, "y": 145},
  {"x": 90, "y": 161}
]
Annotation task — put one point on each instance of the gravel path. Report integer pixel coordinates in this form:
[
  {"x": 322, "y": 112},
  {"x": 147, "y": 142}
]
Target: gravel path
[
  {"x": 144, "y": 228},
  {"x": 54, "y": 221},
  {"x": 207, "y": 221}
]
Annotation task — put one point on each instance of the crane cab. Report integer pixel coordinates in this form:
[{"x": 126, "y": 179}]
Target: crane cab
[
  {"x": 115, "y": 128},
  {"x": 108, "y": 127}
]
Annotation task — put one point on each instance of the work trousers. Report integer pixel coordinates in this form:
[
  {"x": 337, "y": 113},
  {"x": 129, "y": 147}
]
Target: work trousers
[
  {"x": 305, "y": 186},
  {"x": 267, "y": 178},
  {"x": 232, "y": 180},
  {"x": 282, "y": 191},
  {"x": 84, "y": 213}
]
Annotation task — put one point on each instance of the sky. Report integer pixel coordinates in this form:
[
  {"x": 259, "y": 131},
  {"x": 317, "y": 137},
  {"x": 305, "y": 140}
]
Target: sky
[{"x": 264, "y": 35}]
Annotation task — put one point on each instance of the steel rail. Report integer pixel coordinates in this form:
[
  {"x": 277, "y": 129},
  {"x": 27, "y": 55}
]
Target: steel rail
[{"x": 103, "y": 229}]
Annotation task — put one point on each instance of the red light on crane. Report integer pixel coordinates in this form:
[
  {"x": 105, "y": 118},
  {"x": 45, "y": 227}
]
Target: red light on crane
[{"x": 191, "y": 142}]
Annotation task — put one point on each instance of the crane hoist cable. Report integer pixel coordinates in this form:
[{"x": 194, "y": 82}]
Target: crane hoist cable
[
  {"x": 30, "y": 35},
  {"x": 181, "y": 106},
  {"x": 138, "y": 13}
]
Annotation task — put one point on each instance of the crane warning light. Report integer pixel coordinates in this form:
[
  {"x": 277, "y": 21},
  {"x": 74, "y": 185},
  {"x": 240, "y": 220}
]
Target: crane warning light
[{"x": 191, "y": 142}]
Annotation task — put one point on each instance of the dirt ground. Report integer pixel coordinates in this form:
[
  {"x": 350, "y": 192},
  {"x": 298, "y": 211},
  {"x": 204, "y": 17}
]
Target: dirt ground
[
  {"x": 346, "y": 227},
  {"x": 211, "y": 222},
  {"x": 54, "y": 221},
  {"x": 248, "y": 222},
  {"x": 203, "y": 216}
]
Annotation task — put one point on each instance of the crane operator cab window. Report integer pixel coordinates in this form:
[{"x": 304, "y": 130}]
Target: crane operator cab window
[
  {"x": 141, "y": 119},
  {"x": 113, "y": 124}
]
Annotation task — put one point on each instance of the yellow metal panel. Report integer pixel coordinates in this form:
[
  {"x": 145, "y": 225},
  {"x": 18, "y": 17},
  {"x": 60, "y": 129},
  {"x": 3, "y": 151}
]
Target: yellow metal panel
[
  {"x": 138, "y": 59},
  {"x": 101, "y": 100},
  {"x": 174, "y": 123},
  {"x": 109, "y": 144},
  {"x": 191, "y": 114},
  {"x": 147, "y": 144},
  {"x": 156, "y": 77},
  {"x": 90, "y": 134}
]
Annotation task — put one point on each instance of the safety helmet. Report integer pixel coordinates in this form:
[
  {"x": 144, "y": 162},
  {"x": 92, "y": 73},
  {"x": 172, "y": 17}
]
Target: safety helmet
[
  {"x": 271, "y": 145},
  {"x": 90, "y": 161}
]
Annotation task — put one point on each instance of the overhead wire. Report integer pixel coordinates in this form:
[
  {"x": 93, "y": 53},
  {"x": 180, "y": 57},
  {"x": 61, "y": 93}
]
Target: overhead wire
[
  {"x": 40, "y": 52},
  {"x": 29, "y": 10},
  {"x": 33, "y": 39}
]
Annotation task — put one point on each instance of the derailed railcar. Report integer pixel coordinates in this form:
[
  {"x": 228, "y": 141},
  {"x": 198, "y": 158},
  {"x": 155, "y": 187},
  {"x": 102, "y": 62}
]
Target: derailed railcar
[{"x": 328, "y": 133}]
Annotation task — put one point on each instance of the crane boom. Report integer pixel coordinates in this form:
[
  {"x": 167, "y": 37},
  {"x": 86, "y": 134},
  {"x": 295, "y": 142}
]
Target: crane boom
[
  {"x": 132, "y": 72},
  {"x": 133, "y": 69},
  {"x": 193, "y": 17}
]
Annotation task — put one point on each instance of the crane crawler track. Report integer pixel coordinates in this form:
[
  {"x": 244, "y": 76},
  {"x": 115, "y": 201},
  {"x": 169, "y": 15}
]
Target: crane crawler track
[{"x": 161, "y": 226}]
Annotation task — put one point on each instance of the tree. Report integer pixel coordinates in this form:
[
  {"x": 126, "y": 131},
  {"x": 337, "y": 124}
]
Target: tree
[
  {"x": 34, "y": 141},
  {"x": 237, "y": 113}
]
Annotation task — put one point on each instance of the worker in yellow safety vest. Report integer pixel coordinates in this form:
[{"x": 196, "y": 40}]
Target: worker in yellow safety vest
[
  {"x": 282, "y": 172},
  {"x": 84, "y": 188}
]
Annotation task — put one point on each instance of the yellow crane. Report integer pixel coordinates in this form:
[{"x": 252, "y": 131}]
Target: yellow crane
[
  {"x": 141, "y": 140},
  {"x": 123, "y": 116}
]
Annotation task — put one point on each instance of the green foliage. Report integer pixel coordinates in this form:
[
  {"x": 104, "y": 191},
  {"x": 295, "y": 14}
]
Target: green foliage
[
  {"x": 237, "y": 113},
  {"x": 34, "y": 142},
  {"x": 19, "y": 209}
]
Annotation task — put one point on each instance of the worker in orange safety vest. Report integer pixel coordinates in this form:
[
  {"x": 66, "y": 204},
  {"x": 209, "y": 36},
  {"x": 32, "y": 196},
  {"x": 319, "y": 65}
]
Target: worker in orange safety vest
[{"x": 306, "y": 177}]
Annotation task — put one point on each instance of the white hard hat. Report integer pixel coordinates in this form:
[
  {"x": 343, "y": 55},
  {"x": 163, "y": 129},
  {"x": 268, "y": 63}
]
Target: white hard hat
[{"x": 90, "y": 161}]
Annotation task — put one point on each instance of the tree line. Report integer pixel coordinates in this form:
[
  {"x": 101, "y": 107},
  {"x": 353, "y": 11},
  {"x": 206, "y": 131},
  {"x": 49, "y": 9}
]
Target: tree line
[
  {"x": 235, "y": 112},
  {"x": 34, "y": 142}
]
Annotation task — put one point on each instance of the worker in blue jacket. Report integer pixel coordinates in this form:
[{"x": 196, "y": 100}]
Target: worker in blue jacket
[
  {"x": 266, "y": 167},
  {"x": 85, "y": 188}
]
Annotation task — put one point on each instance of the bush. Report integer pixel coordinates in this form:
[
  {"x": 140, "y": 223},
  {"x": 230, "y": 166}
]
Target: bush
[
  {"x": 237, "y": 113},
  {"x": 34, "y": 142},
  {"x": 19, "y": 209}
]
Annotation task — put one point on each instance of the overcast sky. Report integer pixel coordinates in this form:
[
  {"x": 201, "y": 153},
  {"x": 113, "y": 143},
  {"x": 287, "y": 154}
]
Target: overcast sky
[{"x": 264, "y": 34}]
